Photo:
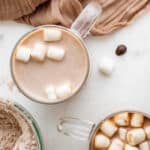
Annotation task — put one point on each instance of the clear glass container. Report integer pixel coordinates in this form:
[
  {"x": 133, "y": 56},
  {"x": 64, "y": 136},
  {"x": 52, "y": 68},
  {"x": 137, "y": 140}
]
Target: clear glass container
[
  {"x": 30, "y": 120},
  {"x": 32, "y": 123},
  {"x": 85, "y": 130}
]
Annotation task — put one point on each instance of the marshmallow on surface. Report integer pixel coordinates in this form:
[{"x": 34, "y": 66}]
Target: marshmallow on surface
[
  {"x": 38, "y": 52},
  {"x": 122, "y": 119},
  {"x": 108, "y": 128},
  {"x": 101, "y": 141},
  {"x": 106, "y": 65},
  {"x": 23, "y": 54},
  {"x": 136, "y": 136},
  {"x": 116, "y": 144},
  {"x": 52, "y": 35},
  {"x": 137, "y": 120},
  {"x": 56, "y": 53},
  {"x": 129, "y": 147}
]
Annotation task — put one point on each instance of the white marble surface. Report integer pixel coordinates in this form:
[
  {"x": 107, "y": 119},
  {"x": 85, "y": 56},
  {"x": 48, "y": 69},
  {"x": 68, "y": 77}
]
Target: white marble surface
[{"x": 127, "y": 88}]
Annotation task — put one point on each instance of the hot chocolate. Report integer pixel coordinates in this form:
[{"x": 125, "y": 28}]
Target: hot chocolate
[{"x": 49, "y": 64}]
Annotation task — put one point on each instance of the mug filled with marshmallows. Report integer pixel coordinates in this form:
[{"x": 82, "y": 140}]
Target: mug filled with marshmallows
[
  {"x": 126, "y": 130},
  {"x": 50, "y": 63}
]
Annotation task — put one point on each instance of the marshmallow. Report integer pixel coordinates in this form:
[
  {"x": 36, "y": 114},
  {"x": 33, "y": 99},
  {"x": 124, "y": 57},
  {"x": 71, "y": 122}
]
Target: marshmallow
[
  {"x": 55, "y": 53},
  {"x": 122, "y": 119},
  {"x": 137, "y": 120},
  {"x": 38, "y": 52},
  {"x": 116, "y": 145},
  {"x": 106, "y": 66},
  {"x": 147, "y": 131},
  {"x": 135, "y": 136},
  {"x": 51, "y": 93},
  {"x": 129, "y": 147},
  {"x": 101, "y": 141},
  {"x": 51, "y": 35},
  {"x": 144, "y": 146},
  {"x": 108, "y": 128},
  {"x": 122, "y": 133},
  {"x": 63, "y": 90},
  {"x": 23, "y": 54}
]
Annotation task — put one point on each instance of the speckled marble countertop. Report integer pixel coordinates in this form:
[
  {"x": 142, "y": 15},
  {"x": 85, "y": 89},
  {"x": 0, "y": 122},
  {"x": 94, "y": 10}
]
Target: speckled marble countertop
[{"x": 127, "y": 88}]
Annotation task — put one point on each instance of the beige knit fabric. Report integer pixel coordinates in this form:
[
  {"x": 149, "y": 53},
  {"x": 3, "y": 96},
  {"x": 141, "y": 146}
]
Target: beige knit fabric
[{"x": 116, "y": 13}]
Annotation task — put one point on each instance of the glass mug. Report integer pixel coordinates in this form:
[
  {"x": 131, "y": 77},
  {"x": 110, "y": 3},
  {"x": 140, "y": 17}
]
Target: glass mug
[
  {"x": 85, "y": 130},
  {"x": 79, "y": 29}
]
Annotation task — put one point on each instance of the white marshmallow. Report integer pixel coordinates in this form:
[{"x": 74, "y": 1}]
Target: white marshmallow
[
  {"x": 137, "y": 120},
  {"x": 101, "y": 141},
  {"x": 63, "y": 90},
  {"x": 135, "y": 136},
  {"x": 108, "y": 128},
  {"x": 51, "y": 93},
  {"x": 38, "y": 52},
  {"x": 144, "y": 146},
  {"x": 116, "y": 145},
  {"x": 55, "y": 53},
  {"x": 23, "y": 54},
  {"x": 147, "y": 131},
  {"x": 122, "y": 133},
  {"x": 51, "y": 35},
  {"x": 129, "y": 147},
  {"x": 122, "y": 119},
  {"x": 106, "y": 66}
]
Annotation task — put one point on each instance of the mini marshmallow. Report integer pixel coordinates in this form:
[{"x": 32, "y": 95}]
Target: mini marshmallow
[
  {"x": 137, "y": 120},
  {"x": 38, "y": 52},
  {"x": 122, "y": 119},
  {"x": 144, "y": 146},
  {"x": 116, "y": 145},
  {"x": 129, "y": 147},
  {"x": 23, "y": 54},
  {"x": 51, "y": 35},
  {"x": 55, "y": 53},
  {"x": 106, "y": 66},
  {"x": 63, "y": 90},
  {"x": 147, "y": 131},
  {"x": 135, "y": 136},
  {"x": 101, "y": 141},
  {"x": 109, "y": 128},
  {"x": 51, "y": 93},
  {"x": 122, "y": 133}
]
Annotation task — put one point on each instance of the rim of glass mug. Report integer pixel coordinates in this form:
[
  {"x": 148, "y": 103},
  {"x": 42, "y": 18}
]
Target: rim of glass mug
[
  {"x": 29, "y": 118},
  {"x": 85, "y": 130},
  {"x": 79, "y": 32}
]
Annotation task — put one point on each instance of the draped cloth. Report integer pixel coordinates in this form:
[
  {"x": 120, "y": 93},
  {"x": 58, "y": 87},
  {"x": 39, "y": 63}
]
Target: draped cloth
[{"x": 115, "y": 14}]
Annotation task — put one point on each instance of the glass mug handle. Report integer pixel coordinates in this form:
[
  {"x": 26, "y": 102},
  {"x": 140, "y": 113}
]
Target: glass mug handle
[
  {"x": 87, "y": 18},
  {"x": 76, "y": 128}
]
